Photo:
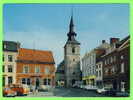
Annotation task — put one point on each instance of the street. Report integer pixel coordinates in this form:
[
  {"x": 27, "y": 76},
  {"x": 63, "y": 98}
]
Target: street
[{"x": 65, "y": 92}]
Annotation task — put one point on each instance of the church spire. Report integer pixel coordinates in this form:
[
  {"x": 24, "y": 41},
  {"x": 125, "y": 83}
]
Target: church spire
[
  {"x": 71, "y": 26},
  {"x": 71, "y": 35}
]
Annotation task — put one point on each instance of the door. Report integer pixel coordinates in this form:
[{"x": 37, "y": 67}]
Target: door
[{"x": 37, "y": 83}]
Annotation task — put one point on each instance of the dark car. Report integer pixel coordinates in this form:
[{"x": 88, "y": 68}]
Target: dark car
[{"x": 111, "y": 92}]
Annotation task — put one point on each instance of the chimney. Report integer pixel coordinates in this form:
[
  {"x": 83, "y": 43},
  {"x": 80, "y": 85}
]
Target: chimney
[
  {"x": 103, "y": 41},
  {"x": 114, "y": 40}
]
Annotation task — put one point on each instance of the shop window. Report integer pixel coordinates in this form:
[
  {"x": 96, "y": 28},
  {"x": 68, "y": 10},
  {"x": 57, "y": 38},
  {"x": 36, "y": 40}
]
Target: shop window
[
  {"x": 23, "y": 80},
  {"x": 26, "y": 81}
]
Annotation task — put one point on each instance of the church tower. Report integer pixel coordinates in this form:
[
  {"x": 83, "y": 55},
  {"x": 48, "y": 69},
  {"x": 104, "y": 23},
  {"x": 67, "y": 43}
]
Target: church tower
[{"x": 72, "y": 57}]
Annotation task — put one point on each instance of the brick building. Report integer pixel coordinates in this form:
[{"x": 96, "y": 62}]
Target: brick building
[
  {"x": 123, "y": 78},
  {"x": 35, "y": 67},
  {"x": 116, "y": 65}
]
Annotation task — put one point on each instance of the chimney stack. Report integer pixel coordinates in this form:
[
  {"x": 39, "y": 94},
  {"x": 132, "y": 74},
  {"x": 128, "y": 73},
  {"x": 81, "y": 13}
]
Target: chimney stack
[
  {"x": 103, "y": 41},
  {"x": 114, "y": 40}
]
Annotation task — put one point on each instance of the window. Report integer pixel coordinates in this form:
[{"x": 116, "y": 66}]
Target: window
[
  {"x": 10, "y": 68},
  {"x": 105, "y": 62},
  {"x": 113, "y": 70},
  {"x": 3, "y": 58},
  {"x": 3, "y": 69},
  {"x": 106, "y": 71},
  {"x": 114, "y": 58},
  {"x": 73, "y": 59},
  {"x": 49, "y": 81},
  {"x": 46, "y": 70},
  {"x": 96, "y": 66},
  {"x": 10, "y": 80},
  {"x": 123, "y": 86},
  {"x": 25, "y": 69},
  {"x": 122, "y": 67},
  {"x": 26, "y": 81},
  {"x": 100, "y": 65},
  {"x": 96, "y": 73},
  {"x": 10, "y": 58},
  {"x": 37, "y": 69},
  {"x": 4, "y": 46},
  {"x": 111, "y": 59},
  {"x": 122, "y": 57},
  {"x": 45, "y": 82},
  {"x": 100, "y": 74},
  {"x": 23, "y": 81},
  {"x": 73, "y": 50}
]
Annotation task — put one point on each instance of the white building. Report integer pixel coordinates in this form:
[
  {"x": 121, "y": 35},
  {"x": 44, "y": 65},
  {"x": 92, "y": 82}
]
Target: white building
[
  {"x": 99, "y": 74},
  {"x": 10, "y": 52},
  {"x": 89, "y": 62}
]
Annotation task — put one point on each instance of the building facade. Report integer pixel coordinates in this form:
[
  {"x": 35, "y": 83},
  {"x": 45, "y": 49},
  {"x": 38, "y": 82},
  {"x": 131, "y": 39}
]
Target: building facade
[
  {"x": 72, "y": 57},
  {"x": 110, "y": 63},
  {"x": 10, "y": 53},
  {"x": 116, "y": 65},
  {"x": 90, "y": 63},
  {"x": 123, "y": 79},
  {"x": 35, "y": 68},
  {"x": 99, "y": 73}
]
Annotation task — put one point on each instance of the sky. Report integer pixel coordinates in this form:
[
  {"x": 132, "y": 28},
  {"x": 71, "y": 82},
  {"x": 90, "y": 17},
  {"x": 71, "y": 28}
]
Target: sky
[{"x": 45, "y": 26}]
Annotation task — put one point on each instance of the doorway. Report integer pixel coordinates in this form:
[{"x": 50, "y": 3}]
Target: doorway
[{"x": 37, "y": 83}]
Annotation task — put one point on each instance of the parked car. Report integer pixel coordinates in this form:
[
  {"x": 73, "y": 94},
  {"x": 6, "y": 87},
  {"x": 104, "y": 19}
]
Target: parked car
[
  {"x": 90, "y": 87},
  {"x": 43, "y": 88},
  {"x": 111, "y": 92},
  {"x": 122, "y": 94},
  {"x": 20, "y": 89},
  {"x": 8, "y": 92},
  {"x": 82, "y": 86},
  {"x": 102, "y": 90}
]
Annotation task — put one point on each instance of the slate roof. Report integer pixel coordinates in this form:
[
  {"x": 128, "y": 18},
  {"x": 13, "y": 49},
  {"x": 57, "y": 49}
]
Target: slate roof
[{"x": 10, "y": 46}]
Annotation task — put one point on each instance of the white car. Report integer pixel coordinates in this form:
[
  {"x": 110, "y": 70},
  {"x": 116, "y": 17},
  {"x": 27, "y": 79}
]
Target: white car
[{"x": 102, "y": 90}]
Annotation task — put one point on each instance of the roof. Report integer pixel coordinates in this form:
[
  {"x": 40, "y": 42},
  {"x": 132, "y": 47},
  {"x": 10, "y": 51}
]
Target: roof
[
  {"x": 122, "y": 41},
  {"x": 37, "y": 56},
  {"x": 10, "y": 46}
]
